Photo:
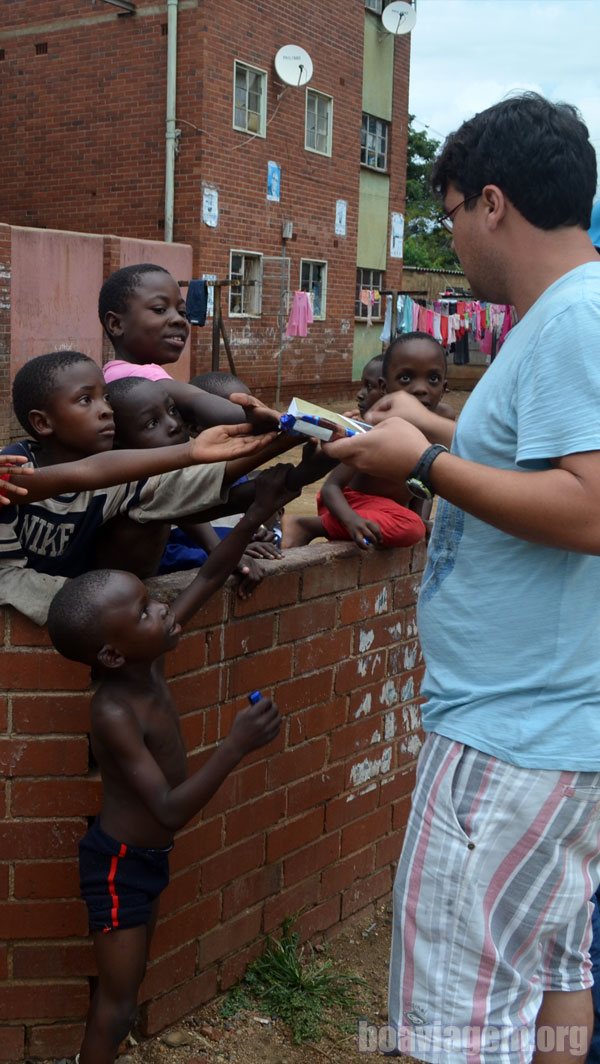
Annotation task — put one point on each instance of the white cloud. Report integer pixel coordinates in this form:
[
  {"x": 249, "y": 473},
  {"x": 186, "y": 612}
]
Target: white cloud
[{"x": 468, "y": 54}]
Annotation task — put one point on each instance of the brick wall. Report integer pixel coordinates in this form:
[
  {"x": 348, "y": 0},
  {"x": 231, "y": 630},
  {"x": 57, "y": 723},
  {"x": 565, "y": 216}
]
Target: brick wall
[
  {"x": 313, "y": 824},
  {"x": 112, "y": 73}
]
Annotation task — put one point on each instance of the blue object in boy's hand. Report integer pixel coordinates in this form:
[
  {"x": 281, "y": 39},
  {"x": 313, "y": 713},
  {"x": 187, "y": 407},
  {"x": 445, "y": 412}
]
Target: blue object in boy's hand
[{"x": 254, "y": 697}]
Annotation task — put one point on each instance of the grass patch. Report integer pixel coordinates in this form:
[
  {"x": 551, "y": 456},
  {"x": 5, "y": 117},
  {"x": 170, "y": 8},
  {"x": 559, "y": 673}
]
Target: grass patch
[{"x": 295, "y": 986}]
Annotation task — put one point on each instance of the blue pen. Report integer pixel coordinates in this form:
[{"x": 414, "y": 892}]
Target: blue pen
[{"x": 254, "y": 697}]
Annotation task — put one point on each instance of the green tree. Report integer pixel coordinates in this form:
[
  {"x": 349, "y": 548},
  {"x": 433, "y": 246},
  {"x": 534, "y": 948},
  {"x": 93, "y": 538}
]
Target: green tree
[{"x": 426, "y": 242}]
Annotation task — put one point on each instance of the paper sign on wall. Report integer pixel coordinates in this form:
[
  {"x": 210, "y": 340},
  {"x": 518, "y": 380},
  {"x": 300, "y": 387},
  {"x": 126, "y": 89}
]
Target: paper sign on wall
[
  {"x": 210, "y": 206},
  {"x": 273, "y": 181},
  {"x": 341, "y": 207},
  {"x": 397, "y": 236}
]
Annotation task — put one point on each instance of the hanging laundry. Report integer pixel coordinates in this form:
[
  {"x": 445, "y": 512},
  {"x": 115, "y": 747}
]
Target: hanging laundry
[
  {"x": 301, "y": 315},
  {"x": 196, "y": 302}
]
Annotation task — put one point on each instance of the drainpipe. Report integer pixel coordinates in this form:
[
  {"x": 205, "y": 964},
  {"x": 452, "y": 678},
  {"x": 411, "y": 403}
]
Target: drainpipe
[{"x": 171, "y": 133}]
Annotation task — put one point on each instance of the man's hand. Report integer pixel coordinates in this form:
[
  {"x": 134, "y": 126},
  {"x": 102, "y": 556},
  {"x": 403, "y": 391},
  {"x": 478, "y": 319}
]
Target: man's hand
[
  {"x": 390, "y": 450},
  {"x": 364, "y": 533},
  {"x": 224, "y": 442},
  {"x": 255, "y": 726},
  {"x": 260, "y": 417},
  {"x": 10, "y": 466}
]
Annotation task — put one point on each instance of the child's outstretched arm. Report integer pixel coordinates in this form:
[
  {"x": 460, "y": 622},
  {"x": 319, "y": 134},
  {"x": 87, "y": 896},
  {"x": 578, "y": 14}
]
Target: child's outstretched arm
[
  {"x": 204, "y": 409},
  {"x": 117, "y": 728},
  {"x": 9, "y": 464},
  {"x": 270, "y": 493},
  {"x": 218, "y": 444},
  {"x": 362, "y": 531}
]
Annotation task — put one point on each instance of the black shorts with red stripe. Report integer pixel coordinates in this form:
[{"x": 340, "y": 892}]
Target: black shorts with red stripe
[{"x": 119, "y": 882}]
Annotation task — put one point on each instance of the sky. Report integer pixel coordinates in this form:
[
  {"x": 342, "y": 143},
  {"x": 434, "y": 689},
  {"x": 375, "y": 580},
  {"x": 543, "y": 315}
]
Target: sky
[{"x": 468, "y": 54}]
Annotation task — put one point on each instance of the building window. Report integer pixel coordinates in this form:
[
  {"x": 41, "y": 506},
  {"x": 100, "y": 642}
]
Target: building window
[
  {"x": 313, "y": 279},
  {"x": 319, "y": 114},
  {"x": 374, "y": 142},
  {"x": 246, "y": 297},
  {"x": 374, "y": 5},
  {"x": 368, "y": 293},
  {"x": 250, "y": 95}
]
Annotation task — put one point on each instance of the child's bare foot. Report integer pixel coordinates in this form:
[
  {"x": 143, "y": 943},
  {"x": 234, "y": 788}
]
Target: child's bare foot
[{"x": 299, "y": 531}]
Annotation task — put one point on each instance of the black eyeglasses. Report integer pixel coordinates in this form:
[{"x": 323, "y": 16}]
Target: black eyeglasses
[{"x": 448, "y": 220}]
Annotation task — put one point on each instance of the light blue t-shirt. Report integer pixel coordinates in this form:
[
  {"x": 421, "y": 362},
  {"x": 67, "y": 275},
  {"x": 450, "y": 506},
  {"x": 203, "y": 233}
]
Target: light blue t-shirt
[{"x": 511, "y": 630}]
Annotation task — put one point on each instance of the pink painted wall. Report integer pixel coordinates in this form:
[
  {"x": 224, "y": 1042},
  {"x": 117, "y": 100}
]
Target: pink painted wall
[
  {"x": 177, "y": 259},
  {"x": 55, "y": 280}
]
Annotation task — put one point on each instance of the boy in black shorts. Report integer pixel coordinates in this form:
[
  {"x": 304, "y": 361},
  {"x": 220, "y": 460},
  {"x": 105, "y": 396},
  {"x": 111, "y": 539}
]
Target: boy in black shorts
[{"x": 106, "y": 618}]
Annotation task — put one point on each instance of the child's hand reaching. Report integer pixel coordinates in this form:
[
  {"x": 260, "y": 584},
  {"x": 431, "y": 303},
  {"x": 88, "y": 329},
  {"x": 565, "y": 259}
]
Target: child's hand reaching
[
  {"x": 261, "y": 417},
  {"x": 251, "y": 574},
  {"x": 9, "y": 465},
  {"x": 364, "y": 533},
  {"x": 255, "y": 726},
  {"x": 272, "y": 491},
  {"x": 223, "y": 442}
]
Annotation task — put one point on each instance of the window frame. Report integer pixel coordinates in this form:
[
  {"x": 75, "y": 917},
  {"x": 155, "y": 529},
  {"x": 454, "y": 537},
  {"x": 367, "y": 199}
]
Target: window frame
[
  {"x": 262, "y": 131},
  {"x": 243, "y": 313},
  {"x": 365, "y": 148},
  {"x": 329, "y": 99},
  {"x": 376, "y": 6},
  {"x": 323, "y": 264},
  {"x": 360, "y": 310}
]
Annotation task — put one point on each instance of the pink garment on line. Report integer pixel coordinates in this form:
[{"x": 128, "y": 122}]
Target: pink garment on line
[
  {"x": 301, "y": 315},
  {"x": 118, "y": 367}
]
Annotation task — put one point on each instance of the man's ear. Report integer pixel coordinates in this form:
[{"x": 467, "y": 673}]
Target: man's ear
[
  {"x": 41, "y": 422},
  {"x": 110, "y": 657},
  {"x": 495, "y": 205},
  {"x": 113, "y": 324}
]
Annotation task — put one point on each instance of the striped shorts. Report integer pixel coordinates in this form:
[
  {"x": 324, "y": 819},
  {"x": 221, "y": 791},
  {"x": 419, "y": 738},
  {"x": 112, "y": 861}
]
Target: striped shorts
[{"x": 491, "y": 904}]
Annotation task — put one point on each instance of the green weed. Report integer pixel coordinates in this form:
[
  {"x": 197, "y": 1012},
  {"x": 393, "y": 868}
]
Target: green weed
[{"x": 293, "y": 985}]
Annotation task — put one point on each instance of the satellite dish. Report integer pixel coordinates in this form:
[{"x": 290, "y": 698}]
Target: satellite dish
[
  {"x": 293, "y": 65},
  {"x": 399, "y": 17}
]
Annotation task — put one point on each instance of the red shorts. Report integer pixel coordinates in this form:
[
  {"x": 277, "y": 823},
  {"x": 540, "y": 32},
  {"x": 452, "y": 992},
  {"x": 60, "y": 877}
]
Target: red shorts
[{"x": 399, "y": 526}]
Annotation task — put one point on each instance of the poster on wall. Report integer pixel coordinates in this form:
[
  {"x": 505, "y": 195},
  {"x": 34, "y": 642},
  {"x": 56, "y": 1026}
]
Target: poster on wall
[
  {"x": 341, "y": 207},
  {"x": 397, "y": 236},
  {"x": 273, "y": 181},
  {"x": 210, "y": 293},
  {"x": 210, "y": 205}
]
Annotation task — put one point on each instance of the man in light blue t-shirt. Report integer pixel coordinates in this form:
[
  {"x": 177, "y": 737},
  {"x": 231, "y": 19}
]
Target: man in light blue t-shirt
[{"x": 491, "y": 934}]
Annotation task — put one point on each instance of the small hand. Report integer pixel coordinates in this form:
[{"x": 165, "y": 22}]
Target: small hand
[
  {"x": 223, "y": 442},
  {"x": 260, "y": 417},
  {"x": 251, "y": 574},
  {"x": 10, "y": 465},
  {"x": 267, "y": 549},
  {"x": 255, "y": 726},
  {"x": 364, "y": 532}
]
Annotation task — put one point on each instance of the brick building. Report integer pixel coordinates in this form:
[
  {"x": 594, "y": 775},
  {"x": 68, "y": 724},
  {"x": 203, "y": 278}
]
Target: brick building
[{"x": 83, "y": 89}]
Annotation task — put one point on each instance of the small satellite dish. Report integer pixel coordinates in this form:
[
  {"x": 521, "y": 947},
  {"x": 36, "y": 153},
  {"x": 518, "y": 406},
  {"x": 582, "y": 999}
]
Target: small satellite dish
[
  {"x": 399, "y": 17},
  {"x": 293, "y": 65}
]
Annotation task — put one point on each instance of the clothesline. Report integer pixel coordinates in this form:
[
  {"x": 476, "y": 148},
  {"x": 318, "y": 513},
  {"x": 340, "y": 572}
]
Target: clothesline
[{"x": 450, "y": 321}]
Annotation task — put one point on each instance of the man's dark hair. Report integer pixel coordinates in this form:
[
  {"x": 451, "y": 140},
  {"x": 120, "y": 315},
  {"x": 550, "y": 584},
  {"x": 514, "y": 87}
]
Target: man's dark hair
[
  {"x": 406, "y": 338},
  {"x": 118, "y": 288},
  {"x": 537, "y": 152},
  {"x": 219, "y": 383},
  {"x": 38, "y": 379},
  {"x": 73, "y": 622}
]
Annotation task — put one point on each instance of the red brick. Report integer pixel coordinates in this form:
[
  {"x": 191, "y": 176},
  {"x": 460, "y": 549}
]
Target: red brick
[
  {"x": 168, "y": 972},
  {"x": 406, "y": 590},
  {"x": 235, "y": 861},
  {"x": 305, "y": 691},
  {"x": 251, "y": 889},
  {"x": 80, "y": 797},
  {"x": 240, "y": 786},
  {"x": 233, "y": 968},
  {"x": 56, "y": 1040},
  {"x": 179, "y": 1002},
  {"x": 3, "y": 713},
  {"x": 3, "y": 962},
  {"x": 322, "y": 917},
  {"x": 255, "y": 816},
  {"x": 61, "y": 961},
  {"x": 400, "y": 785},
  {"x": 261, "y": 669},
  {"x": 341, "y": 875},
  {"x": 347, "y": 807},
  {"x": 364, "y": 604},
  {"x": 192, "y": 729},
  {"x": 387, "y": 850},
  {"x": 379, "y": 565},
  {"x": 312, "y": 790},
  {"x": 43, "y": 714},
  {"x": 274, "y": 593},
  {"x": 294, "y": 764},
  {"x": 367, "y": 831},
  {"x": 310, "y": 859},
  {"x": 24, "y": 632},
  {"x": 41, "y": 670},
  {"x": 44, "y": 1001},
  {"x": 355, "y": 738},
  {"x": 306, "y": 619},
  {"x": 44, "y": 880},
  {"x": 303, "y": 895},
  {"x": 174, "y": 930},
  {"x": 12, "y": 1044},
  {"x": 294, "y": 834},
  {"x": 365, "y": 891},
  {"x": 322, "y": 650},
  {"x": 30, "y": 840},
  {"x": 321, "y": 581},
  {"x": 196, "y": 842},
  {"x": 182, "y": 890},
  {"x": 360, "y": 671},
  {"x": 51, "y": 919},
  {"x": 318, "y": 720},
  {"x": 43, "y": 757},
  {"x": 244, "y": 637},
  {"x": 196, "y": 692},
  {"x": 418, "y": 559},
  {"x": 229, "y": 937},
  {"x": 384, "y": 631},
  {"x": 188, "y": 656}
]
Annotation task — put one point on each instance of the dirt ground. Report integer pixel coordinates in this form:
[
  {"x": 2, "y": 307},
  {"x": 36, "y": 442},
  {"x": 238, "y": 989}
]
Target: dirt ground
[{"x": 205, "y": 1037}]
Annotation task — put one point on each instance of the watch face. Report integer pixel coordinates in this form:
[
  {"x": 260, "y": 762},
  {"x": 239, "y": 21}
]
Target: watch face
[{"x": 418, "y": 488}]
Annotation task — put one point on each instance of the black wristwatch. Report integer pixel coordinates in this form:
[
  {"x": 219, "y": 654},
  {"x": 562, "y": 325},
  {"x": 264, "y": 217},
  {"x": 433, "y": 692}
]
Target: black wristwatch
[{"x": 417, "y": 481}]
